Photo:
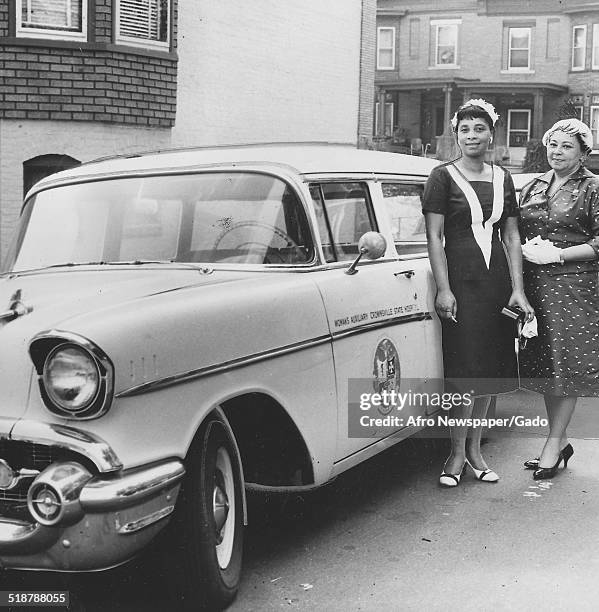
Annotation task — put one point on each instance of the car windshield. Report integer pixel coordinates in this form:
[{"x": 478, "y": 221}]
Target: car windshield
[{"x": 216, "y": 217}]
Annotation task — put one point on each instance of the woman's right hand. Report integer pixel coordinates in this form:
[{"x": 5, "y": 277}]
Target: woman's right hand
[{"x": 446, "y": 305}]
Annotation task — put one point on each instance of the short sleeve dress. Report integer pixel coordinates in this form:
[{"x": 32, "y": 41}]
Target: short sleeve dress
[
  {"x": 481, "y": 345},
  {"x": 564, "y": 358}
]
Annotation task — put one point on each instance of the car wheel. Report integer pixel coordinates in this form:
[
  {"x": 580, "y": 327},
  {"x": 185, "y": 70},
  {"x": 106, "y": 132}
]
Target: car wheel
[{"x": 205, "y": 564}]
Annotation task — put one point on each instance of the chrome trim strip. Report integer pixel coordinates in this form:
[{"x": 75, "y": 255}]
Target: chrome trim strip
[
  {"x": 176, "y": 379},
  {"x": 130, "y": 488},
  {"x": 375, "y": 176},
  {"x": 76, "y": 440},
  {"x": 145, "y": 521},
  {"x": 227, "y": 365}
]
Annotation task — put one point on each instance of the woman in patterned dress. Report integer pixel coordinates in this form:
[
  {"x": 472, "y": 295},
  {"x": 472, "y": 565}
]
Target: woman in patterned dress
[
  {"x": 471, "y": 215},
  {"x": 560, "y": 223}
]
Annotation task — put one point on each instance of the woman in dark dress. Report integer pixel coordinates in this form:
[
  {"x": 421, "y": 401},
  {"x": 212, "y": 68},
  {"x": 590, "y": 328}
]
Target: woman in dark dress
[
  {"x": 471, "y": 206},
  {"x": 560, "y": 227}
]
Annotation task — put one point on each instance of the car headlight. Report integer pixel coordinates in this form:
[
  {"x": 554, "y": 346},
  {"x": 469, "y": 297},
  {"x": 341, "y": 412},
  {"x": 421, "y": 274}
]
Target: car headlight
[
  {"x": 76, "y": 378},
  {"x": 71, "y": 377}
]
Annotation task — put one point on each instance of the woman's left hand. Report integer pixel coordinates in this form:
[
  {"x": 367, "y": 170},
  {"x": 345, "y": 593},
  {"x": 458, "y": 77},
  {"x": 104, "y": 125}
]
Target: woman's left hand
[
  {"x": 519, "y": 299},
  {"x": 541, "y": 252}
]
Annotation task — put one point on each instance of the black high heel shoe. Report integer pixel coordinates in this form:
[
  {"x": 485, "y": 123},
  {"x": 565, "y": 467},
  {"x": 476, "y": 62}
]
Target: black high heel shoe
[
  {"x": 567, "y": 452},
  {"x": 545, "y": 473}
]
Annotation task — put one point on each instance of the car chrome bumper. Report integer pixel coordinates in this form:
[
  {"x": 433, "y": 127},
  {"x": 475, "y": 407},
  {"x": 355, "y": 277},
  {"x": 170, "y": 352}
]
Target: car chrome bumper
[{"x": 116, "y": 515}]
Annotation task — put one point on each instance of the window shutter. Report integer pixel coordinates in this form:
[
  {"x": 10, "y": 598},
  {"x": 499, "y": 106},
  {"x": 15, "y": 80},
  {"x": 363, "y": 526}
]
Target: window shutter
[{"x": 143, "y": 19}]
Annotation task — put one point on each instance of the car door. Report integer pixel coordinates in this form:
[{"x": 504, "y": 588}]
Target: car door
[{"x": 375, "y": 317}]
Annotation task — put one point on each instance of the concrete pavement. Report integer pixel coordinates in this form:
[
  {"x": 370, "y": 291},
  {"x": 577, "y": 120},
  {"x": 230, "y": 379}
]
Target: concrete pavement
[{"x": 386, "y": 537}]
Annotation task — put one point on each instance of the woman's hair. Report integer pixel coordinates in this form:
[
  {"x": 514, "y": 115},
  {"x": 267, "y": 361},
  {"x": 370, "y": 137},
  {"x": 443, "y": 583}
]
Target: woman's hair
[
  {"x": 583, "y": 145},
  {"x": 470, "y": 111}
]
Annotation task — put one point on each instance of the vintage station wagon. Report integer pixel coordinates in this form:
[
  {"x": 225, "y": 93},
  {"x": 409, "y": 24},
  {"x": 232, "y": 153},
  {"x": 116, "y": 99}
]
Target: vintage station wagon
[{"x": 180, "y": 326}]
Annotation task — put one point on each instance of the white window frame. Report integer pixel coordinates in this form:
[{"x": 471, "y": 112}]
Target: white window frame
[
  {"x": 141, "y": 42},
  {"x": 594, "y": 114},
  {"x": 389, "y": 114},
  {"x": 445, "y": 23},
  {"x": 583, "y": 47},
  {"x": 511, "y": 68},
  {"x": 49, "y": 31},
  {"x": 509, "y": 124},
  {"x": 379, "y": 48},
  {"x": 595, "y": 49},
  {"x": 579, "y": 109}
]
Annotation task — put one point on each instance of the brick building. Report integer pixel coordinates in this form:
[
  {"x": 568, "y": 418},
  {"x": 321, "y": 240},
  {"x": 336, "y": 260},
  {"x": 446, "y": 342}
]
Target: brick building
[
  {"x": 80, "y": 79},
  {"x": 526, "y": 57}
]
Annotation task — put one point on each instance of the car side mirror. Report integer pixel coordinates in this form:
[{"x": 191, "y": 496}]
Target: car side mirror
[{"x": 372, "y": 245}]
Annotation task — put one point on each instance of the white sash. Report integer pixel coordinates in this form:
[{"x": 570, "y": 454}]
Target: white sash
[{"x": 483, "y": 231}]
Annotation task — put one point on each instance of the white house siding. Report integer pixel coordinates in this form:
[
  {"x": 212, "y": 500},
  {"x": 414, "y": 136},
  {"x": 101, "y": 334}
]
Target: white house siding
[
  {"x": 21, "y": 140},
  {"x": 268, "y": 70}
]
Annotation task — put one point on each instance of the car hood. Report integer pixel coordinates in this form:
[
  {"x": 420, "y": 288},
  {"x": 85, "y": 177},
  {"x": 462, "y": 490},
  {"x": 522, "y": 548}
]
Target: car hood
[
  {"x": 55, "y": 296},
  {"x": 155, "y": 323}
]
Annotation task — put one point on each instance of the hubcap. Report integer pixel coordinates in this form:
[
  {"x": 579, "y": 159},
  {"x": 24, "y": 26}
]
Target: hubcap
[
  {"x": 224, "y": 507},
  {"x": 220, "y": 506}
]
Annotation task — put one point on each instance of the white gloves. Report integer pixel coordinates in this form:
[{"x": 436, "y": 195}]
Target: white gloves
[
  {"x": 530, "y": 329},
  {"x": 540, "y": 251}
]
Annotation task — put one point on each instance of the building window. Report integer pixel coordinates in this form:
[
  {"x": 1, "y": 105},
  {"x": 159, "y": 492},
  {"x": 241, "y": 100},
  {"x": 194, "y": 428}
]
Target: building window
[
  {"x": 519, "y": 48},
  {"x": 53, "y": 19},
  {"x": 595, "y": 126},
  {"x": 518, "y": 127},
  {"x": 595, "y": 56},
  {"x": 388, "y": 121},
  {"x": 579, "y": 43},
  {"x": 37, "y": 168},
  {"x": 385, "y": 49},
  {"x": 446, "y": 43},
  {"x": 143, "y": 23},
  {"x": 579, "y": 111}
]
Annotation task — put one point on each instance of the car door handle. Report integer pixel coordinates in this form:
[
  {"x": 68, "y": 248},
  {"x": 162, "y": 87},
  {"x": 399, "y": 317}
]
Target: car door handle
[{"x": 406, "y": 273}]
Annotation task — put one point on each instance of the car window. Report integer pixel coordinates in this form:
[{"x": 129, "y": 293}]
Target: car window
[
  {"x": 344, "y": 213},
  {"x": 229, "y": 217},
  {"x": 150, "y": 229},
  {"x": 265, "y": 229},
  {"x": 404, "y": 206}
]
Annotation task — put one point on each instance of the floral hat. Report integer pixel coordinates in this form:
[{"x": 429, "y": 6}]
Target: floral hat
[
  {"x": 572, "y": 127},
  {"x": 486, "y": 106}
]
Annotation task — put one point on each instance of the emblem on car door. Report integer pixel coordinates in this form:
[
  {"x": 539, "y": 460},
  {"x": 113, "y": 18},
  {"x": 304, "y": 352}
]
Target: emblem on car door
[{"x": 386, "y": 371}]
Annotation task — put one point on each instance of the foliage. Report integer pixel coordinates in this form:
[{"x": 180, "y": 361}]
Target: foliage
[
  {"x": 536, "y": 157},
  {"x": 567, "y": 111}
]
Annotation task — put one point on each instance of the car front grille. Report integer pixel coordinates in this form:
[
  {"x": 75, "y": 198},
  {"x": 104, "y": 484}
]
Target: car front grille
[{"x": 31, "y": 456}]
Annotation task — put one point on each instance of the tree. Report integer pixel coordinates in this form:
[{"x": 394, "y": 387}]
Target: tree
[
  {"x": 536, "y": 157},
  {"x": 567, "y": 111}
]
